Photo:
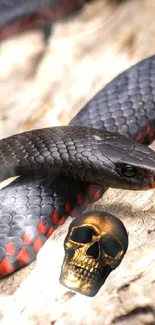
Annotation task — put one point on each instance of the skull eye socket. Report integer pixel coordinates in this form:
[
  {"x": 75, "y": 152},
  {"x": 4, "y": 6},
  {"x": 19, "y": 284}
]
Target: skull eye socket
[
  {"x": 111, "y": 247},
  {"x": 82, "y": 235}
]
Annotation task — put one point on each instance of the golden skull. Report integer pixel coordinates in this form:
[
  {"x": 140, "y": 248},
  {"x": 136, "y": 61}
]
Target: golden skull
[{"x": 94, "y": 246}]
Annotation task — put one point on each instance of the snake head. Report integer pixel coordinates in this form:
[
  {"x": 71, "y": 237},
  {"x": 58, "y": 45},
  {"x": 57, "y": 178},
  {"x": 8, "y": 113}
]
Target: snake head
[
  {"x": 85, "y": 154},
  {"x": 128, "y": 165}
]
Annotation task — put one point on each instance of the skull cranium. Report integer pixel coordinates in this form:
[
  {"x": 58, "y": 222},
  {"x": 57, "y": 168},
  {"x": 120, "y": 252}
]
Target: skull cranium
[{"x": 95, "y": 245}]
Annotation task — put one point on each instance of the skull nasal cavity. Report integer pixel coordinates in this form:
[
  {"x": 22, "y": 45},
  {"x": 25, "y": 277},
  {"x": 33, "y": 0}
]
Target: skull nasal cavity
[{"x": 93, "y": 250}]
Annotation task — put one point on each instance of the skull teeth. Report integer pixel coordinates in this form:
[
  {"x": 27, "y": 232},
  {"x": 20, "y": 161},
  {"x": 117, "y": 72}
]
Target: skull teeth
[{"x": 82, "y": 271}]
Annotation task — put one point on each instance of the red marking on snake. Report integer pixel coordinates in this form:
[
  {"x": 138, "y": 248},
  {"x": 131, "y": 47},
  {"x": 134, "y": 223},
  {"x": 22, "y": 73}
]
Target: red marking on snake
[
  {"x": 74, "y": 212},
  {"x": 55, "y": 217},
  {"x": 61, "y": 221},
  {"x": 152, "y": 182},
  {"x": 5, "y": 267},
  {"x": 41, "y": 227},
  {"x": 38, "y": 244},
  {"x": 27, "y": 239},
  {"x": 85, "y": 204},
  {"x": 91, "y": 190},
  {"x": 68, "y": 206},
  {"x": 149, "y": 131},
  {"x": 47, "y": 15},
  {"x": 50, "y": 232},
  {"x": 23, "y": 256},
  {"x": 140, "y": 137},
  {"x": 79, "y": 198},
  {"x": 97, "y": 195},
  {"x": 10, "y": 249}
]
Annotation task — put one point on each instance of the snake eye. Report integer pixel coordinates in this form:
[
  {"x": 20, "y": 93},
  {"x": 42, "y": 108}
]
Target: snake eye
[{"x": 129, "y": 171}]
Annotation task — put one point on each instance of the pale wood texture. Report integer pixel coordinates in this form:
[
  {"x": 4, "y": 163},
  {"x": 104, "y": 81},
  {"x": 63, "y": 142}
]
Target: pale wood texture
[{"x": 47, "y": 86}]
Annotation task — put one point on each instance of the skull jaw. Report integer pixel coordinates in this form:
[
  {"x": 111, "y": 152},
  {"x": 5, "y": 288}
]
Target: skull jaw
[{"x": 84, "y": 285}]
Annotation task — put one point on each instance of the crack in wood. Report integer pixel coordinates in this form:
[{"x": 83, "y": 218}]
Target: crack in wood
[{"x": 135, "y": 312}]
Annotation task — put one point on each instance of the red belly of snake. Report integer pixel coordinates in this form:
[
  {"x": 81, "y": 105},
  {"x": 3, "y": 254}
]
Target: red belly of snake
[{"x": 33, "y": 14}]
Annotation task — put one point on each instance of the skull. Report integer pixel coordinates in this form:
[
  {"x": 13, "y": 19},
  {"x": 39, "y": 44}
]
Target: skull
[{"x": 94, "y": 246}]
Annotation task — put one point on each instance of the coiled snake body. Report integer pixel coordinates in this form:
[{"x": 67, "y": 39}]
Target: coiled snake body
[
  {"x": 17, "y": 16},
  {"x": 63, "y": 169}
]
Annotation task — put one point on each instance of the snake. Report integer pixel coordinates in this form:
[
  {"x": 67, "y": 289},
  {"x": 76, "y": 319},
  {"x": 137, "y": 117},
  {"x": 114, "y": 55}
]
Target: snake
[
  {"x": 58, "y": 171},
  {"x": 17, "y": 16}
]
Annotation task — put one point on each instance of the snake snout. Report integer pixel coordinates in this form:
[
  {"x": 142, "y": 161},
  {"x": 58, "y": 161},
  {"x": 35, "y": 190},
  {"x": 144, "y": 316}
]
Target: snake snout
[
  {"x": 132, "y": 164},
  {"x": 139, "y": 167}
]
